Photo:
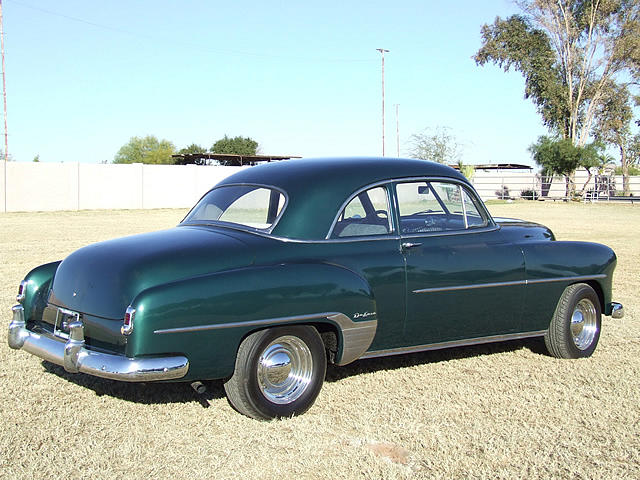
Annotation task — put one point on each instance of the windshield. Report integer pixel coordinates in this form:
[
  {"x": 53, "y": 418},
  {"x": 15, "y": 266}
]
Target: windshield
[{"x": 252, "y": 206}]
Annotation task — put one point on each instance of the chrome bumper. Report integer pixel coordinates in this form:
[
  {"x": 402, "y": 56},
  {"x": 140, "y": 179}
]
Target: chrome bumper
[
  {"x": 617, "y": 310},
  {"x": 74, "y": 357}
]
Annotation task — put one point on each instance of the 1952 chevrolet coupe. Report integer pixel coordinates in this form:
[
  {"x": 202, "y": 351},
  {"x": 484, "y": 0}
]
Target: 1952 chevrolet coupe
[{"x": 284, "y": 267}]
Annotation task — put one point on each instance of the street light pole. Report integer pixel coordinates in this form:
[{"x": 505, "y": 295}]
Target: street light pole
[
  {"x": 397, "y": 131},
  {"x": 382, "y": 51},
  {"x": 4, "y": 96}
]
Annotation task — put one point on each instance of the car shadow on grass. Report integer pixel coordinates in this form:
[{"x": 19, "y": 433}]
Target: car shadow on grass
[
  {"x": 181, "y": 392},
  {"x": 371, "y": 365},
  {"x": 142, "y": 392}
]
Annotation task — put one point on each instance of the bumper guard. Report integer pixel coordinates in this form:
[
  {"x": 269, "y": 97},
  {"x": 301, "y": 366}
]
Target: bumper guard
[
  {"x": 75, "y": 358},
  {"x": 617, "y": 310}
]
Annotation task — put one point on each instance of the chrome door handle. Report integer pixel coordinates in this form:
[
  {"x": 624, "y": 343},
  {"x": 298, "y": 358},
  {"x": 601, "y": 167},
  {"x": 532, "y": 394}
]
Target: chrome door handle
[{"x": 408, "y": 245}]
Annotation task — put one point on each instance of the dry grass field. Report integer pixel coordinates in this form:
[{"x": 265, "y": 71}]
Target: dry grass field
[{"x": 499, "y": 411}]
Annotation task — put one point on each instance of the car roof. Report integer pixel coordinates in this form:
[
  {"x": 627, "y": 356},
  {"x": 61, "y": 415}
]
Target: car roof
[{"x": 317, "y": 187}]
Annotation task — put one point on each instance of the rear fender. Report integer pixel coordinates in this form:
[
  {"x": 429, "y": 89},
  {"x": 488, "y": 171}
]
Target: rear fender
[
  {"x": 206, "y": 317},
  {"x": 38, "y": 282}
]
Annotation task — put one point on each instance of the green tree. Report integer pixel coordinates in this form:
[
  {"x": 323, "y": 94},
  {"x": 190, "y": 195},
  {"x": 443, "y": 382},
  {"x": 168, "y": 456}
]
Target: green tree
[
  {"x": 437, "y": 145},
  {"x": 613, "y": 120},
  {"x": 193, "y": 148},
  {"x": 467, "y": 170},
  {"x": 146, "y": 150},
  {"x": 235, "y": 146},
  {"x": 560, "y": 156},
  {"x": 36, "y": 159},
  {"x": 570, "y": 53},
  {"x": 634, "y": 152}
]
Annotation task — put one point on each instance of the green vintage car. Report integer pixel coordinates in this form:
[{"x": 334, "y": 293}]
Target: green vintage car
[{"x": 284, "y": 267}]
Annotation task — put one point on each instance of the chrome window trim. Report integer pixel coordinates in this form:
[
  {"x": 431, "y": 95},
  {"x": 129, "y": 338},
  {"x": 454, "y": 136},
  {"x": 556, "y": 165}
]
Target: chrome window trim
[
  {"x": 444, "y": 233},
  {"x": 453, "y": 343},
  {"x": 509, "y": 284},
  {"x": 461, "y": 192},
  {"x": 384, "y": 184},
  {"x": 490, "y": 226},
  {"x": 239, "y": 226},
  {"x": 393, "y": 207}
]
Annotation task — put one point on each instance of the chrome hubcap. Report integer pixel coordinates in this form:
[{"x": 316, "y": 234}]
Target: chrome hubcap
[
  {"x": 285, "y": 368},
  {"x": 584, "y": 324}
]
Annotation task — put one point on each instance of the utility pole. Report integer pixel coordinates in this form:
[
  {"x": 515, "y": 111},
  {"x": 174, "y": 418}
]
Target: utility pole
[
  {"x": 397, "y": 131},
  {"x": 4, "y": 96},
  {"x": 382, "y": 51}
]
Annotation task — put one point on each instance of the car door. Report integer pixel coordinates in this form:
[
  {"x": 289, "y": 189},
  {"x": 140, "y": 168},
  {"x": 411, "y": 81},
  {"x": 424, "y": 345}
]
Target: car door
[
  {"x": 364, "y": 240},
  {"x": 463, "y": 280}
]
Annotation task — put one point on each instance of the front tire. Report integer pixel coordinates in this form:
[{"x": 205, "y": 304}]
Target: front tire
[
  {"x": 574, "y": 330},
  {"x": 278, "y": 373}
]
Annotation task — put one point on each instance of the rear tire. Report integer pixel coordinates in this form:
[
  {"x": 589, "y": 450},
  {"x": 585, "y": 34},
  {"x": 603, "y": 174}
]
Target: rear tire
[
  {"x": 574, "y": 330},
  {"x": 278, "y": 373}
]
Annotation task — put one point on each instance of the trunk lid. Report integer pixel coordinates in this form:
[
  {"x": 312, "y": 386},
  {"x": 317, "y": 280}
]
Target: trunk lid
[{"x": 102, "y": 279}]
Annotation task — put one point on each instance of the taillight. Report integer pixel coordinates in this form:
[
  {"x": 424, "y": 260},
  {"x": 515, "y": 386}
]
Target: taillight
[
  {"x": 22, "y": 290},
  {"x": 127, "y": 325}
]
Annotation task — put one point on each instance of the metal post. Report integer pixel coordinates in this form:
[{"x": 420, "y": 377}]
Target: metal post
[
  {"x": 4, "y": 96},
  {"x": 397, "y": 131},
  {"x": 382, "y": 51}
]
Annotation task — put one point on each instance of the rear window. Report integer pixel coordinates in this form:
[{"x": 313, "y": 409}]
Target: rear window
[{"x": 252, "y": 206}]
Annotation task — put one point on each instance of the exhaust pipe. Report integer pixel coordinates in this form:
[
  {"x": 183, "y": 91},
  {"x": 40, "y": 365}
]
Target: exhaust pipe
[{"x": 198, "y": 387}]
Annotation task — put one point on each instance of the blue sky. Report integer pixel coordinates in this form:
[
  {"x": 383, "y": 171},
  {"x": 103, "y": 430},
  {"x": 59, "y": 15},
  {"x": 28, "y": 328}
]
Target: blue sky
[{"x": 301, "y": 78}]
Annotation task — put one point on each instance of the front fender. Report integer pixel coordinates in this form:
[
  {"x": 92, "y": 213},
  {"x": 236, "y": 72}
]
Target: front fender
[
  {"x": 552, "y": 266},
  {"x": 206, "y": 317}
]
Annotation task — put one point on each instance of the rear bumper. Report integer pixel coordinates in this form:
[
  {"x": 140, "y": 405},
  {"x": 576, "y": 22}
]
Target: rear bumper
[{"x": 75, "y": 357}]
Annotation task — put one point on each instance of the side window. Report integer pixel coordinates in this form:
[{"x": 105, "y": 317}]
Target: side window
[
  {"x": 366, "y": 214},
  {"x": 435, "y": 206},
  {"x": 475, "y": 218}
]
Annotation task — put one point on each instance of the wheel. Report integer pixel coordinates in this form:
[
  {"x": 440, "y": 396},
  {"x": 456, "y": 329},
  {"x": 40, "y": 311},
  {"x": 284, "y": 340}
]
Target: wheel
[
  {"x": 574, "y": 330},
  {"x": 279, "y": 372}
]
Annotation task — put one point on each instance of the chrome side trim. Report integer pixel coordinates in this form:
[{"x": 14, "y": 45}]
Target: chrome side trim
[
  {"x": 74, "y": 357},
  {"x": 509, "y": 284},
  {"x": 453, "y": 343},
  {"x": 356, "y": 336},
  {"x": 564, "y": 279},
  {"x": 471, "y": 287},
  {"x": 252, "y": 323}
]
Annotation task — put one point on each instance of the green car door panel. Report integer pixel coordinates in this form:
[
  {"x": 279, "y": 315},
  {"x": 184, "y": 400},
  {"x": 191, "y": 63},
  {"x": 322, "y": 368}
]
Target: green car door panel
[{"x": 474, "y": 275}]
